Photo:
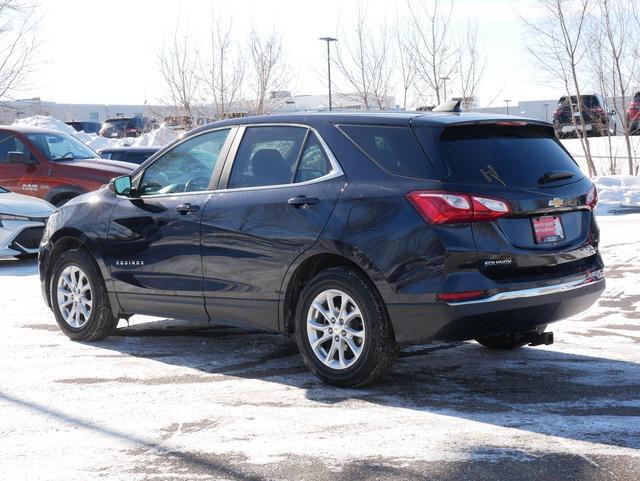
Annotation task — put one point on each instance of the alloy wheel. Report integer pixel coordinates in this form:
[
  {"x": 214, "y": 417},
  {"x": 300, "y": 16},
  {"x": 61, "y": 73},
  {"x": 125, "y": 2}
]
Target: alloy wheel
[
  {"x": 335, "y": 329},
  {"x": 74, "y": 296}
]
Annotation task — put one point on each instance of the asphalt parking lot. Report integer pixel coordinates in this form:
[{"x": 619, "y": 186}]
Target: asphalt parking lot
[{"x": 164, "y": 400}]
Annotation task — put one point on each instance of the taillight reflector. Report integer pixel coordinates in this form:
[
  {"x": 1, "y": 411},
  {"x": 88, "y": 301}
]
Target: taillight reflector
[
  {"x": 441, "y": 207},
  {"x": 459, "y": 296}
]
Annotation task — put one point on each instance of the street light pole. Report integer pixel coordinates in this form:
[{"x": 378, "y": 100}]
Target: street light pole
[
  {"x": 444, "y": 79},
  {"x": 506, "y": 101},
  {"x": 546, "y": 108},
  {"x": 329, "y": 40}
]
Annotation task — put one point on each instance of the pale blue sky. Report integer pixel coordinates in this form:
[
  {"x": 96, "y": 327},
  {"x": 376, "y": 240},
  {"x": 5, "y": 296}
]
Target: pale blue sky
[{"x": 106, "y": 51}]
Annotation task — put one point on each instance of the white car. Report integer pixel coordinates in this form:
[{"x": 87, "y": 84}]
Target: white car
[{"x": 22, "y": 221}]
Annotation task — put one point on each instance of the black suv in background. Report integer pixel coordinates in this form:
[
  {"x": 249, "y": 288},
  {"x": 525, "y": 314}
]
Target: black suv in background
[
  {"x": 353, "y": 233},
  {"x": 120, "y": 127},
  {"x": 88, "y": 126},
  {"x": 598, "y": 119},
  {"x": 133, "y": 154}
]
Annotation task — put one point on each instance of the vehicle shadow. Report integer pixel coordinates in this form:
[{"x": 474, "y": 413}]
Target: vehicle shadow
[{"x": 533, "y": 389}]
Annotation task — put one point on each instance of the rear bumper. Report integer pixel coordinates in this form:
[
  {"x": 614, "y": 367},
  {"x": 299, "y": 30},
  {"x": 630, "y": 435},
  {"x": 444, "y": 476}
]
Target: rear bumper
[{"x": 506, "y": 311}]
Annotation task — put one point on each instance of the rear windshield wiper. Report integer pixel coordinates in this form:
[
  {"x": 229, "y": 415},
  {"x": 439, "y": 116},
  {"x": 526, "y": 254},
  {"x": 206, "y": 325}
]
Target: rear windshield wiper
[{"x": 555, "y": 175}]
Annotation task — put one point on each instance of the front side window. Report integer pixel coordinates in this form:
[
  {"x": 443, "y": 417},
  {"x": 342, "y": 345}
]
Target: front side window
[
  {"x": 59, "y": 147},
  {"x": 267, "y": 156},
  {"x": 185, "y": 168}
]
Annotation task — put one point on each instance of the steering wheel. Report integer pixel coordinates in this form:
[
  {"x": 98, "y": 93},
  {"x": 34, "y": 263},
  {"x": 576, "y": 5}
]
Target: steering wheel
[
  {"x": 70, "y": 154},
  {"x": 196, "y": 182}
]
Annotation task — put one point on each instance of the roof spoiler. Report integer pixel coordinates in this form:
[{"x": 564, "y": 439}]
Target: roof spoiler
[{"x": 448, "y": 106}]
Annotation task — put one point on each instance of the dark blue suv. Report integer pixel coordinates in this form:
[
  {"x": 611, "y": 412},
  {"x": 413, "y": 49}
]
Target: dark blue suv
[{"x": 354, "y": 233}]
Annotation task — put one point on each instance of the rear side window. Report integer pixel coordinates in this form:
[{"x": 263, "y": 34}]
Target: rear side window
[
  {"x": 267, "y": 156},
  {"x": 8, "y": 143},
  {"x": 394, "y": 149},
  {"x": 502, "y": 155},
  {"x": 314, "y": 162}
]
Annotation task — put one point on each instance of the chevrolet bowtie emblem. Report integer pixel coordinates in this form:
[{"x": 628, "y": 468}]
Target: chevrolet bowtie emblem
[{"x": 556, "y": 202}]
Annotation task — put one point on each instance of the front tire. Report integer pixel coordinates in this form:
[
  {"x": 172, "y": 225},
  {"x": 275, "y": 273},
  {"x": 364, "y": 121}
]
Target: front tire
[
  {"x": 342, "y": 329},
  {"x": 79, "y": 298}
]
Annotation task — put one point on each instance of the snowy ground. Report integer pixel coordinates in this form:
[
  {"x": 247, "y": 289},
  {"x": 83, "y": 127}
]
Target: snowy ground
[{"x": 164, "y": 401}]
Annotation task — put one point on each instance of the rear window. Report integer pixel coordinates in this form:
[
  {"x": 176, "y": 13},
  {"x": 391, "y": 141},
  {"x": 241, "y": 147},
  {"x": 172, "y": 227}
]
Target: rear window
[
  {"x": 587, "y": 100},
  {"x": 137, "y": 157},
  {"x": 515, "y": 156},
  {"x": 636, "y": 97},
  {"x": 118, "y": 123},
  {"x": 395, "y": 149}
]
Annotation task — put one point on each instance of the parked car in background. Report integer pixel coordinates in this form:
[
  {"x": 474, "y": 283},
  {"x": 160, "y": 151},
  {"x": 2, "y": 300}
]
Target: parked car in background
[
  {"x": 22, "y": 220},
  {"x": 351, "y": 232},
  {"x": 121, "y": 127},
  {"x": 178, "y": 122},
  {"x": 89, "y": 126},
  {"x": 52, "y": 165},
  {"x": 599, "y": 120},
  {"x": 135, "y": 155},
  {"x": 633, "y": 115}
]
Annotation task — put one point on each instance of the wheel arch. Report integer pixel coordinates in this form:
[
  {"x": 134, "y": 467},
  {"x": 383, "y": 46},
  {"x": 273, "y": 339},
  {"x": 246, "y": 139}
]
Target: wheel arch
[
  {"x": 70, "y": 238},
  {"x": 63, "y": 192},
  {"x": 304, "y": 270}
]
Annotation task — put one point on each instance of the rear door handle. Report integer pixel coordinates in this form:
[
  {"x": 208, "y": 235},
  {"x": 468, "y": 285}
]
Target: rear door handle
[
  {"x": 301, "y": 200},
  {"x": 187, "y": 208}
]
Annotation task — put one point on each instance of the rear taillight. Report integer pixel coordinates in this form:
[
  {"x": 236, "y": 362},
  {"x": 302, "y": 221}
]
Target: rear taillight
[
  {"x": 592, "y": 197},
  {"x": 441, "y": 207}
]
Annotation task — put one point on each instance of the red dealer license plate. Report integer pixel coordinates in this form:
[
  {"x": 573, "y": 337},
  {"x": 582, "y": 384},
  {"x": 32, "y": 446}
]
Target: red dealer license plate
[{"x": 547, "y": 229}]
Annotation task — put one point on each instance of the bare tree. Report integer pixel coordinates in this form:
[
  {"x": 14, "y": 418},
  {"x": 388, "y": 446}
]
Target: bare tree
[
  {"x": 431, "y": 46},
  {"x": 364, "y": 58},
  {"x": 615, "y": 57},
  {"x": 179, "y": 68},
  {"x": 18, "y": 23},
  {"x": 407, "y": 69},
  {"x": 269, "y": 70},
  {"x": 558, "y": 44},
  {"x": 224, "y": 72},
  {"x": 471, "y": 64}
]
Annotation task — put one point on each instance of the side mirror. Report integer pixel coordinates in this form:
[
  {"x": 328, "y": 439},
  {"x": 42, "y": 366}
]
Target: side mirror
[
  {"x": 21, "y": 158},
  {"x": 121, "y": 185}
]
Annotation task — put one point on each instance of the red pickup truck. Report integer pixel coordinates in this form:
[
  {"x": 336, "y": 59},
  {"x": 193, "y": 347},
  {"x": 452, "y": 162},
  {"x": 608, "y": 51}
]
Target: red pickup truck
[{"x": 52, "y": 165}]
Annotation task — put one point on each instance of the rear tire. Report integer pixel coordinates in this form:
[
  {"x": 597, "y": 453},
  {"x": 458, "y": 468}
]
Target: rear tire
[
  {"x": 511, "y": 340},
  {"x": 79, "y": 298},
  {"x": 340, "y": 306}
]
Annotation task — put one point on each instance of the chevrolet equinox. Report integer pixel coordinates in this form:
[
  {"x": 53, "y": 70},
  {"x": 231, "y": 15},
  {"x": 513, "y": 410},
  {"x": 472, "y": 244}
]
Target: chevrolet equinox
[{"x": 354, "y": 233}]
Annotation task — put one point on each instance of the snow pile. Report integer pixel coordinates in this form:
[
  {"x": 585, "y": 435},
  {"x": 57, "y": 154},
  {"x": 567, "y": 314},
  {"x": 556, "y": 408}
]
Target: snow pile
[
  {"x": 617, "y": 194},
  {"x": 609, "y": 153},
  {"x": 158, "y": 137}
]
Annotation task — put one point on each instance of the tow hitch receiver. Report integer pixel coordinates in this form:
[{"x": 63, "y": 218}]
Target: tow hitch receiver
[{"x": 540, "y": 338}]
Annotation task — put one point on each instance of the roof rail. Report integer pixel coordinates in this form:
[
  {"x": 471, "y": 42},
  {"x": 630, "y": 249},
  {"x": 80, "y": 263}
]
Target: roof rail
[{"x": 448, "y": 106}]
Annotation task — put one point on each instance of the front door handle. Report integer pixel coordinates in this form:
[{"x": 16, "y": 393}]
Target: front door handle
[
  {"x": 302, "y": 200},
  {"x": 187, "y": 208}
]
